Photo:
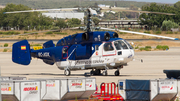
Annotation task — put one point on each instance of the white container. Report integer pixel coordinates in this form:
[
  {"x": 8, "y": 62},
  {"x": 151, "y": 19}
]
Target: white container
[
  {"x": 162, "y": 89},
  {"x": 75, "y": 88},
  {"x": 90, "y": 88},
  {"x": 20, "y": 90}
]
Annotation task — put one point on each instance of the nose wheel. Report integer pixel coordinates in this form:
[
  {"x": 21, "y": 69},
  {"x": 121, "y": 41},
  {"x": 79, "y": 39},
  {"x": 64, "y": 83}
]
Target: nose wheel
[
  {"x": 105, "y": 73},
  {"x": 67, "y": 72}
]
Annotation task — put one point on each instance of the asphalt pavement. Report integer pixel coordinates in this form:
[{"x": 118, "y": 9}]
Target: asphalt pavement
[{"x": 154, "y": 62}]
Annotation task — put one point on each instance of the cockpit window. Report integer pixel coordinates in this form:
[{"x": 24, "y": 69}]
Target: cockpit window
[
  {"x": 128, "y": 44},
  {"x": 108, "y": 47},
  {"x": 120, "y": 44}
]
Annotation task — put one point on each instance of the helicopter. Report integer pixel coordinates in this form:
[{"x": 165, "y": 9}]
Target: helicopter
[{"x": 95, "y": 50}]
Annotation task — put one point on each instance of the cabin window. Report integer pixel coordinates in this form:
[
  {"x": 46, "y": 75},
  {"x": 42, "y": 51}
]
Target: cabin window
[
  {"x": 96, "y": 47},
  {"x": 120, "y": 44},
  {"x": 108, "y": 47}
]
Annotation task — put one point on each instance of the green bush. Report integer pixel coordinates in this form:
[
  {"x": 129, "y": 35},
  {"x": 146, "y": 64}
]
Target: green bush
[
  {"x": 136, "y": 47},
  {"x": 141, "y": 48},
  {"x": 5, "y": 45},
  {"x": 122, "y": 33},
  {"x": 158, "y": 32},
  {"x": 162, "y": 47},
  {"x": 60, "y": 33},
  {"x": 148, "y": 47},
  {"x": 169, "y": 32},
  {"x": 55, "y": 28},
  {"x": 5, "y": 50},
  {"x": 49, "y": 33},
  {"x": 147, "y": 32}
]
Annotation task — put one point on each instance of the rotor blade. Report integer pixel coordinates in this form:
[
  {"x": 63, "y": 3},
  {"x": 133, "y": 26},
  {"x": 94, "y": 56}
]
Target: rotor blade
[
  {"x": 138, "y": 11},
  {"x": 29, "y": 33},
  {"x": 72, "y": 28},
  {"x": 62, "y": 9},
  {"x": 171, "y": 38}
]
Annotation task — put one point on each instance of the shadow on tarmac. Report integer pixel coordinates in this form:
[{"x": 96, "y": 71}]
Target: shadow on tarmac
[{"x": 83, "y": 75}]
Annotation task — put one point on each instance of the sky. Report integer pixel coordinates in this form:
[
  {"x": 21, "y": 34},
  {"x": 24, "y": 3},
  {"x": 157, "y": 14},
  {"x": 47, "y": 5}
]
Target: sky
[{"x": 158, "y": 1}]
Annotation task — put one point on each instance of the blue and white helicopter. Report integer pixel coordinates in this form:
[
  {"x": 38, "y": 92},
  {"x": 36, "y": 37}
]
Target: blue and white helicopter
[{"x": 95, "y": 50}]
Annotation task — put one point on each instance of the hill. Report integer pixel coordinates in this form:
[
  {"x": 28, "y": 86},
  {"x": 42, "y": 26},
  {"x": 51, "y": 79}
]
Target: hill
[{"x": 39, "y": 4}]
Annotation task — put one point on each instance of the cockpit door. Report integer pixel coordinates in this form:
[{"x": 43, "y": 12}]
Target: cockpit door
[{"x": 108, "y": 49}]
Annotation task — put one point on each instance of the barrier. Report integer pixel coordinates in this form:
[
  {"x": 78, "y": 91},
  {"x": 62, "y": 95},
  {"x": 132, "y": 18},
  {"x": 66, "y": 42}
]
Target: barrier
[
  {"x": 5, "y": 78},
  {"x": 154, "y": 90},
  {"x": 108, "y": 92},
  {"x": 20, "y": 90}
]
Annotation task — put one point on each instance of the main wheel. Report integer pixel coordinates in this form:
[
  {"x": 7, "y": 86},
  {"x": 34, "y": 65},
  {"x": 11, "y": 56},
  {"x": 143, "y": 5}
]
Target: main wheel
[
  {"x": 97, "y": 72},
  {"x": 67, "y": 72},
  {"x": 105, "y": 73},
  {"x": 92, "y": 72},
  {"x": 116, "y": 73}
]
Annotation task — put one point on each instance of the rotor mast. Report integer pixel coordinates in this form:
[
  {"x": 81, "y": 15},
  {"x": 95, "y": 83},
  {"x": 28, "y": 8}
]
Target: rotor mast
[{"x": 89, "y": 21}]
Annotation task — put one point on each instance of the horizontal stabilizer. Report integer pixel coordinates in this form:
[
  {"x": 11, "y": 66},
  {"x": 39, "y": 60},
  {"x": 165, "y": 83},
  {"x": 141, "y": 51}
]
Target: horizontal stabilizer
[{"x": 21, "y": 53}]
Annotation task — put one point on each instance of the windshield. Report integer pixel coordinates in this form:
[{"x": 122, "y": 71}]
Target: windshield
[
  {"x": 120, "y": 45},
  {"x": 128, "y": 44}
]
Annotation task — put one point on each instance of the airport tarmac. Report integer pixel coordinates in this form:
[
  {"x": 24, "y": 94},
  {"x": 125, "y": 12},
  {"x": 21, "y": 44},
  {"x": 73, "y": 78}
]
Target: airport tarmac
[{"x": 154, "y": 62}]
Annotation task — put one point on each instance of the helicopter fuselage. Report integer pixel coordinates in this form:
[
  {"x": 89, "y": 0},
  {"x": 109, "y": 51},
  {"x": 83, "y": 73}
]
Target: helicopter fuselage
[{"x": 96, "y": 50}]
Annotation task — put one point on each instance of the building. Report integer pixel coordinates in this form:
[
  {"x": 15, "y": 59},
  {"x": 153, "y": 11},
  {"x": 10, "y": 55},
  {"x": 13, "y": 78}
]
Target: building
[{"x": 64, "y": 15}]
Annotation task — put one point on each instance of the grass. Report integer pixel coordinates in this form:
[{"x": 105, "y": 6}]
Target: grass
[
  {"x": 9, "y": 33},
  {"x": 49, "y": 33},
  {"x": 36, "y": 45},
  {"x": 5, "y": 50},
  {"x": 60, "y": 33}
]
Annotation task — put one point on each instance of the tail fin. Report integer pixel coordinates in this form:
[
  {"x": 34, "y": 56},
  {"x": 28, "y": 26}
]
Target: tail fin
[
  {"x": 48, "y": 44},
  {"x": 21, "y": 53}
]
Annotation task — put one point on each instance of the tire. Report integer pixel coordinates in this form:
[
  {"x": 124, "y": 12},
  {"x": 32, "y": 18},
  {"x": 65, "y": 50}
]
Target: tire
[
  {"x": 116, "y": 73},
  {"x": 91, "y": 72},
  {"x": 97, "y": 72},
  {"x": 105, "y": 73},
  {"x": 67, "y": 72}
]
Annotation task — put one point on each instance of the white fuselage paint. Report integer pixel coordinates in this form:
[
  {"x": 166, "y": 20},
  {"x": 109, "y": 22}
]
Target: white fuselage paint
[{"x": 99, "y": 60}]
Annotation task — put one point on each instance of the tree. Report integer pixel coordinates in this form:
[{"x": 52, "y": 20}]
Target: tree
[
  {"x": 61, "y": 23},
  {"x": 156, "y": 19},
  {"x": 73, "y": 22},
  {"x": 22, "y": 20},
  {"x": 167, "y": 25},
  {"x": 96, "y": 20},
  {"x": 177, "y": 5}
]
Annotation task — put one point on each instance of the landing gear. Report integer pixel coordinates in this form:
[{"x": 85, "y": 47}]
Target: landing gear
[
  {"x": 116, "y": 73},
  {"x": 96, "y": 72},
  {"x": 105, "y": 73},
  {"x": 67, "y": 72}
]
